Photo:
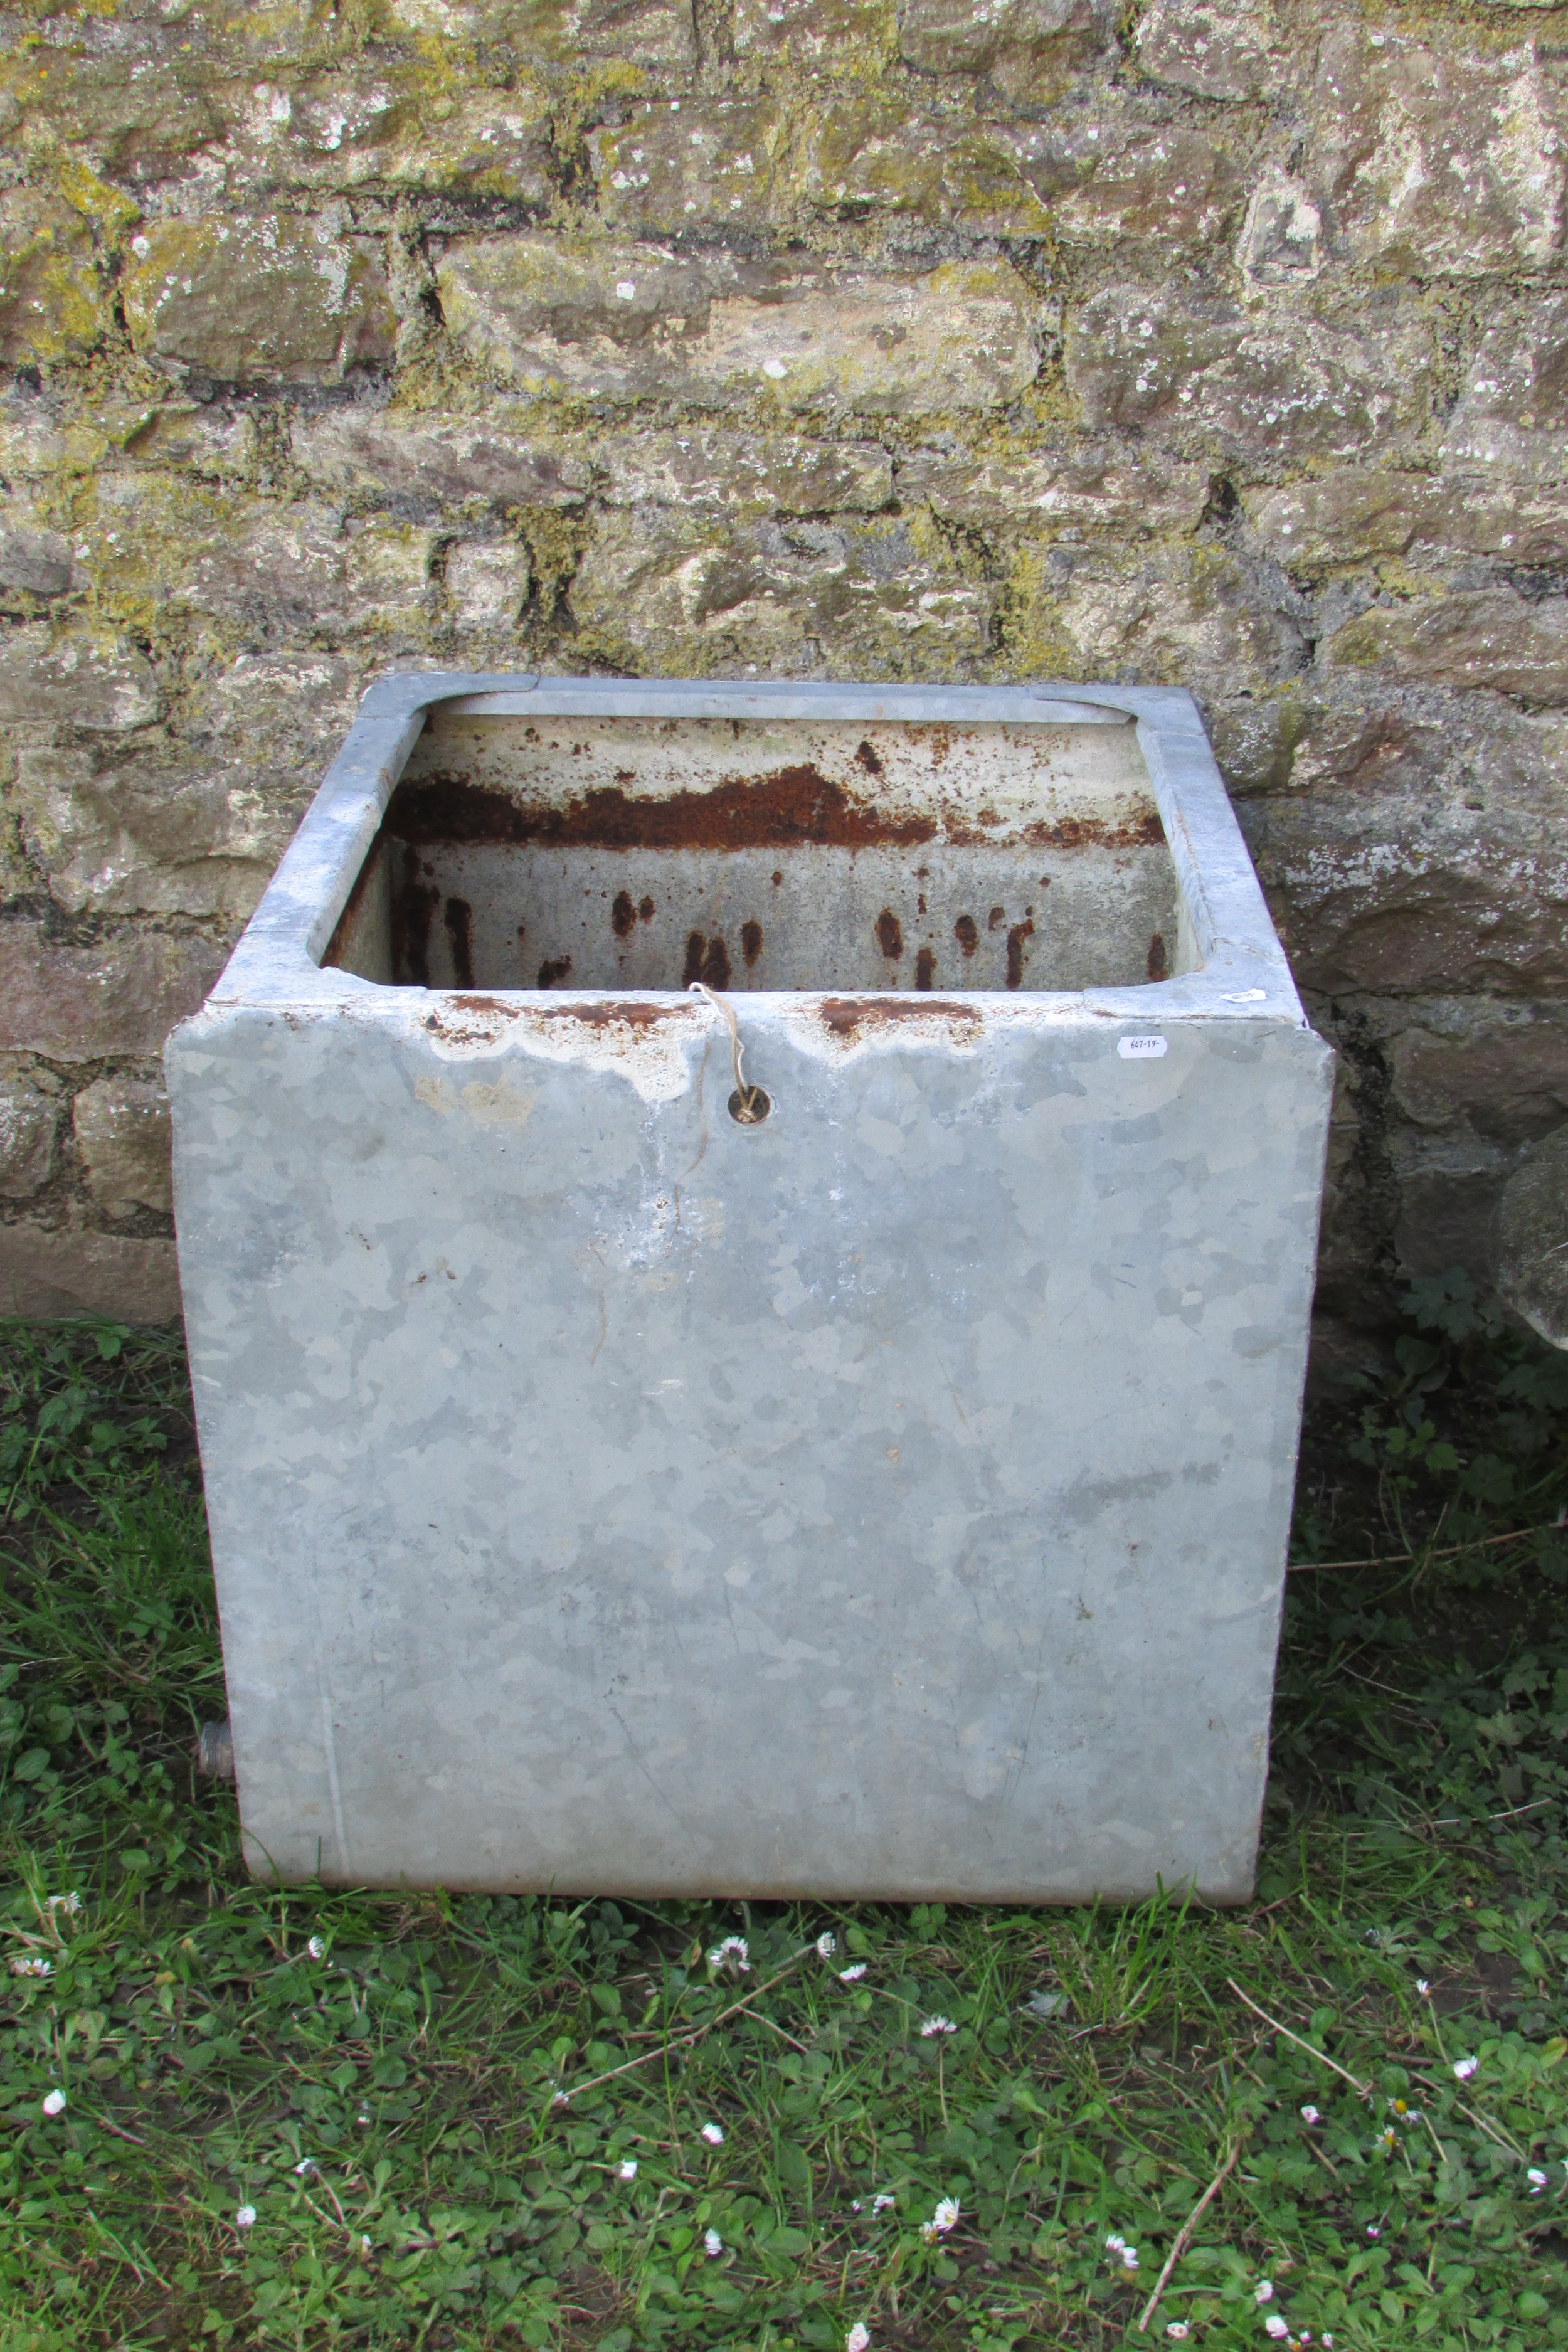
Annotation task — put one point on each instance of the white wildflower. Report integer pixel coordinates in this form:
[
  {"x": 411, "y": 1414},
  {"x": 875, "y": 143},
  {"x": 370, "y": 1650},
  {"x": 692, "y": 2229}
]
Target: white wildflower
[
  {"x": 1465, "y": 2067},
  {"x": 1423, "y": 1986},
  {"x": 70, "y": 1903},
  {"x": 1114, "y": 2244},
  {"x": 859, "y": 2338},
  {"x": 827, "y": 1945},
  {"x": 1276, "y": 2326},
  {"x": 628, "y": 2171},
  {"x": 713, "y": 2245},
  {"x": 1264, "y": 2291},
  {"x": 946, "y": 2214},
  {"x": 364, "y": 2116},
  {"x": 937, "y": 2028},
  {"x": 562, "y": 2099},
  {"x": 305, "y": 2164},
  {"x": 54, "y": 2103},
  {"x": 1373, "y": 2230},
  {"x": 246, "y": 2218},
  {"x": 734, "y": 1953},
  {"x": 317, "y": 1948},
  {"x": 879, "y": 2204},
  {"x": 32, "y": 1964},
  {"x": 1537, "y": 2180},
  {"x": 364, "y": 2247},
  {"x": 1309, "y": 2115},
  {"x": 1129, "y": 2258},
  {"x": 852, "y": 1975},
  {"x": 1177, "y": 2330},
  {"x": 714, "y": 2135}
]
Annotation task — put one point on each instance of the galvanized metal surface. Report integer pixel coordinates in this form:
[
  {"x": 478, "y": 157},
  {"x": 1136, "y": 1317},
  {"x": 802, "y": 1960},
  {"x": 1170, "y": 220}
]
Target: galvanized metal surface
[{"x": 888, "y": 1498}]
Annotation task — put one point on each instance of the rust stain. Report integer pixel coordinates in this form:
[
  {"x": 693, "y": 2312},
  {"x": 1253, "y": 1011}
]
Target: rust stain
[
  {"x": 751, "y": 942},
  {"x": 458, "y": 916},
  {"x": 1015, "y": 937},
  {"x": 694, "y": 943},
  {"x": 890, "y": 935},
  {"x": 716, "y": 965},
  {"x": 413, "y": 906},
  {"x": 645, "y": 910},
  {"x": 995, "y": 918},
  {"x": 925, "y": 968},
  {"x": 966, "y": 932},
  {"x": 552, "y": 971},
  {"x": 844, "y": 1015},
  {"x": 622, "y": 915},
  {"x": 1139, "y": 829},
  {"x": 1157, "y": 956},
  {"x": 866, "y": 757},
  {"x": 627, "y": 1015},
  {"x": 791, "y": 805}
]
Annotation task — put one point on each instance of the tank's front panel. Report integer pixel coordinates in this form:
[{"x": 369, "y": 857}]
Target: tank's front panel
[{"x": 888, "y": 1498}]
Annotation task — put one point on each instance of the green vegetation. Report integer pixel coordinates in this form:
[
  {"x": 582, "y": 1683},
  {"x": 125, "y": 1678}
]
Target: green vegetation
[{"x": 316, "y": 2118}]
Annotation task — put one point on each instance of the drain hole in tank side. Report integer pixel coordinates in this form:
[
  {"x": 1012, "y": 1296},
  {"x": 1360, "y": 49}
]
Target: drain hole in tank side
[{"x": 750, "y": 1109}]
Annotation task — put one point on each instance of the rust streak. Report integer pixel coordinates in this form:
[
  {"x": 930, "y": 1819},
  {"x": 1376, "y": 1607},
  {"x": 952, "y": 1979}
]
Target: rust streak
[
  {"x": 791, "y": 805},
  {"x": 1015, "y": 937},
  {"x": 622, "y": 915},
  {"x": 751, "y": 942},
  {"x": 890, "y": 935},
  {"x": 843, "y": 1016},
  {"x": 925, "y": 968},
  {"x": 458, "y": 916}
]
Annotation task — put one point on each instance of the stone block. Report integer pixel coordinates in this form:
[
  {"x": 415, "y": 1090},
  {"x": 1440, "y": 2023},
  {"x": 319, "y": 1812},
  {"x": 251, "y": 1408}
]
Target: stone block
[
  {"x": 963, "y": 337},
  {"x": 1224, "y": 51},
  {"x": 1484, "y": 637},
  {"x": 1030, "y": 48},
  {"x": 157, "y": 830},
  {"x": 817, "y": 31},
  {"x": 93, "y": 683},
  {"x": 276, "y": 298},
  {"x": 487, "y": 583},
  {"x": 1262, "y": 380},
  {"x": 36, "y": 563},
  {"x": 619, "y": 321},
  {"x": 657, "y": 35},
  {"x": 1532, "y": 1239},
  {"x": 1512, "y": 418},
  {"x": 1419, "y": 850},
  {"x": 1500, "y": 1071},
  {"x": 605, "y": 321},
  {"x": 377, "y": 129},
  {"x": 52, "y": 300},
  {"x": 1356, "y": 516},
  {"x": 1191, "y": 616},
  {"x": 1080, "y": 490},
  {"x": 428, "y": 463},
  {"x": 1111, "y": 181},
  {"x": 29, "y": 1121},
  {"x": 65, "y": 1271},
  {"x": 135, "y": 95},
  {"x": 1434, "y": 159},
  {"x": 723, "y": 472},
  {"x": 675, "y": 593},
  {"x": 122, "y": 996},
  {"x": 1448, "y": 1189},
  {"x": 1281, "y": 241},
  {"x": 861, "y": 157},
  {"x": 491, "y": 145},
  {"x": 676, "y": 166},
  {"x": 122, "y": 1139}
]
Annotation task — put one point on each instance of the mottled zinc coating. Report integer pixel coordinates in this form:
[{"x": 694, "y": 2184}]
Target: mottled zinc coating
[{"x": 888, "y": 1499}]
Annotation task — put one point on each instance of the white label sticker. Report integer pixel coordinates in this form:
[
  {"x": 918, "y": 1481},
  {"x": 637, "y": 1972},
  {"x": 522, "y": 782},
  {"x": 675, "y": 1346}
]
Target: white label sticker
[{"x": 1141, "y": 1049}]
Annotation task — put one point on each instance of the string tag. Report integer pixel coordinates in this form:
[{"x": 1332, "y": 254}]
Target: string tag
[{"x": 748, "y": 1104}]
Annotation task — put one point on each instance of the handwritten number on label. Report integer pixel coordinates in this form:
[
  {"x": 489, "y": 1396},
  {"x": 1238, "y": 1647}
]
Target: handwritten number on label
[{"x": 1141, "y": 1049}]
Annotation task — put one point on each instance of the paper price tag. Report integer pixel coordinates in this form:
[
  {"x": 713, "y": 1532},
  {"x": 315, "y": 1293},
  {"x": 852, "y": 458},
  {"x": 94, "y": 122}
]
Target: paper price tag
[{"x": 1141, "y": 1049}]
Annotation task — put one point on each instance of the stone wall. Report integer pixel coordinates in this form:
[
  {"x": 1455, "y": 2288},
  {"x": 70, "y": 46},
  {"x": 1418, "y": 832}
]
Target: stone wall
[{"x": 1223, "y": 344}]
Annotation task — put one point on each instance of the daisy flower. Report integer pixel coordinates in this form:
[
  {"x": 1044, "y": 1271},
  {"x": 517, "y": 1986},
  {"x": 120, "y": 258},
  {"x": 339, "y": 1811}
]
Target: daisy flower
[
  {"x": 31, "y": 1964},
  {"x": 1537, "y": 2180},
  {"x": 852, "y": 1975},
  {"x": 1264, "y": 2291},
  {"x": 859, "y": 2338},
  {"x": 54, "y": 2103},
  {"x": 1465, "y": 2067},
  {"x": 317, "y": 1948},
  {"x": 1276, "y": 2326},
  {"x": 712, "y": 2244},
  {"x": 1177, "y": 2330},
  {"x": 628, "y": 2168},
  {"x": 734, "y": 1953},
  {"x": 1310, "y": 2116},
  {"x": 827, "y": 1945},
  {"x": 246, "y": 2218},
  {"x": 714, "y": 2135},
  {"x": 935, "y": 2028}
]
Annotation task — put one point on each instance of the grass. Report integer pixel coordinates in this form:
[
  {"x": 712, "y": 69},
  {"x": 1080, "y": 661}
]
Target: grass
[{"x": 375, "y": 2077}]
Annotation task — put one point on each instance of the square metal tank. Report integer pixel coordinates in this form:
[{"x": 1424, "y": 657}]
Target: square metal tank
[{"x": 886, "y": 1496}]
